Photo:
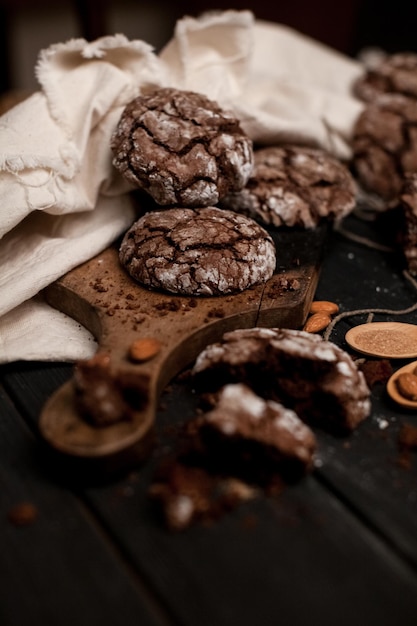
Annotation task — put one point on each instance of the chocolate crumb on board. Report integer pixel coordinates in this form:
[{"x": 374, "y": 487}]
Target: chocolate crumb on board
[
  {"x": 168, "y": 305},
  {"x": 217, "y": 312},
  {"x": 139, "y": 319},
  {"x": 181, "y": 148},
  {"x": 98, "y": 285},
  {"x": 280, "y": 285}
]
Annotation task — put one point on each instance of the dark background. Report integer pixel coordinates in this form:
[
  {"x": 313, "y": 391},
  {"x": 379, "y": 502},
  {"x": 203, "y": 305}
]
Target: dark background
[{"x": 26, "y": 26}]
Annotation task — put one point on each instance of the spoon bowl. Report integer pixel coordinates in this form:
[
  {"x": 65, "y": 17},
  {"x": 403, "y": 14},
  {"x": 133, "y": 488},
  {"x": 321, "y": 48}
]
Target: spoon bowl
[
  {"x": 392, "y": 389},
  {"x": 390, "y": 340}
]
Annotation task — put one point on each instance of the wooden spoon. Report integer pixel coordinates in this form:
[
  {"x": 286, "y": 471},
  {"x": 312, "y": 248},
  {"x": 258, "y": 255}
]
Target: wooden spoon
[
  {"x": 392, "y": 388},
  {"x": 390, "y": 340},
  {"x": 103, "y": 297}
]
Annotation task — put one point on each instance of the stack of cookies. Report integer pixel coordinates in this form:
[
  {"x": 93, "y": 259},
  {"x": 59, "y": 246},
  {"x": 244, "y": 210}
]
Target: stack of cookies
[
  {"x": 214, "y": 194},
  {"x": 385, "y": 142},
  {"x": 186, "y": 153}
]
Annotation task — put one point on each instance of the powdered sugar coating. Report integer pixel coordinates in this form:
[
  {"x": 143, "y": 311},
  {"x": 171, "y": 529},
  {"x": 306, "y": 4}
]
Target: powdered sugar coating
[
  {"x": 315, "y": 378},
  {"x": 384, "y": 145},
  {"x": 231, "y": 396},
  {"x": 392, "y": 73},
  {"x": 239, "y": 412},
  {"x": 206, "y": 251},
  {"x": 407, "y": 238},
  {"x": 181, "y": 148},
  {"x": 295, "y": 186}
]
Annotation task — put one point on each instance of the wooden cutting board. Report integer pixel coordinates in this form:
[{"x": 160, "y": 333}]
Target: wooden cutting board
[{"x": 106, "y": 300}]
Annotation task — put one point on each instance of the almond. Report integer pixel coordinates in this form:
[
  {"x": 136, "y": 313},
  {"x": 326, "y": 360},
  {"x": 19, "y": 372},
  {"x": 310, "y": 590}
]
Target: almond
[
  {"x": 317, "y": 322},
  {"x": 407, "y": 385},
  {"x": 324, "y": 306},
  {"x": 144, "y": 349}
]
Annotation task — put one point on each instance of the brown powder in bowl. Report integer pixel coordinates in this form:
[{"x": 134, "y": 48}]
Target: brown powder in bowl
[{"x": 386, "y": 341}]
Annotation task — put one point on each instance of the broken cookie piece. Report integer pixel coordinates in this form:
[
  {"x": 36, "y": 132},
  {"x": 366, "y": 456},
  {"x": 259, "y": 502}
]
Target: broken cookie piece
[
  {"x": 185, "y": 494},
  {"x": 244, "y": 445},
  {"x": 255, "y": 439},
  {"x": 105, "y": 396}
]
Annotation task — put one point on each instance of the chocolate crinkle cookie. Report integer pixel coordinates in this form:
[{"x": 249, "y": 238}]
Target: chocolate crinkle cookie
[
  {"x": 391, "y": 73},
  {"x": 205, "y": 252},
  {"x": 313, "y": 377},
  {"x": 255, "y": 439},
  {"x": 295, "y": 186},
  {"x": 385, "y": 145},
  {"x": 407, "y": 236},
  {"x": 182, "y": 148}
]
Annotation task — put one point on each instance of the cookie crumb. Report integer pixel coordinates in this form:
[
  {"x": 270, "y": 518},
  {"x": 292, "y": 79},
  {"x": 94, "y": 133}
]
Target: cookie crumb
[
  {"x": 376, "y": 371},
  {"x": 23, "y": 514}
]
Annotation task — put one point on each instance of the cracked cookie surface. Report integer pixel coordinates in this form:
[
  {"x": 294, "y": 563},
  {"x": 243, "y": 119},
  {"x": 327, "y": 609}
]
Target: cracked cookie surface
[
  {"x": 205, "y": 251},
  {"x": 407, "y": 236},
  {"x": 294, "y": 186},
  {"x": 394, "y": 73},
  {"x": 385, "y": 145},
  {"x": 313, "y": 377},
  {"x": 181, "y": 148}
]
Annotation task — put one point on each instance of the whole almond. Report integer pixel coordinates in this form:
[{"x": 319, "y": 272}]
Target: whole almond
[
  {"x": 324, "y": 306},
  {"x": 144, "y": 349},
  {"x": 317, "y": 322},
  {"x": 407, "y": 385}
]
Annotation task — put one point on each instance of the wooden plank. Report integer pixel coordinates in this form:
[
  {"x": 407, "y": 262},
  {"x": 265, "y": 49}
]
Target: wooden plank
[
  {"x": 300, "y": 557},
  {"x": 367, "y": 469},
  {"x": 59, "y": 569},
  {"x": 337, "y": 548}
]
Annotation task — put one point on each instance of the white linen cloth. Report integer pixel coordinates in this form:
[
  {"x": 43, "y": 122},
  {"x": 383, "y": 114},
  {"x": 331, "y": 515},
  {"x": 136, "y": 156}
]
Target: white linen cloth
[{"x": 61, "y": 200}]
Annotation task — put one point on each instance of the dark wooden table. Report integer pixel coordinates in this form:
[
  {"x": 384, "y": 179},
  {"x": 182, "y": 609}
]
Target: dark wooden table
[{"x": 339, "y": 547}]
